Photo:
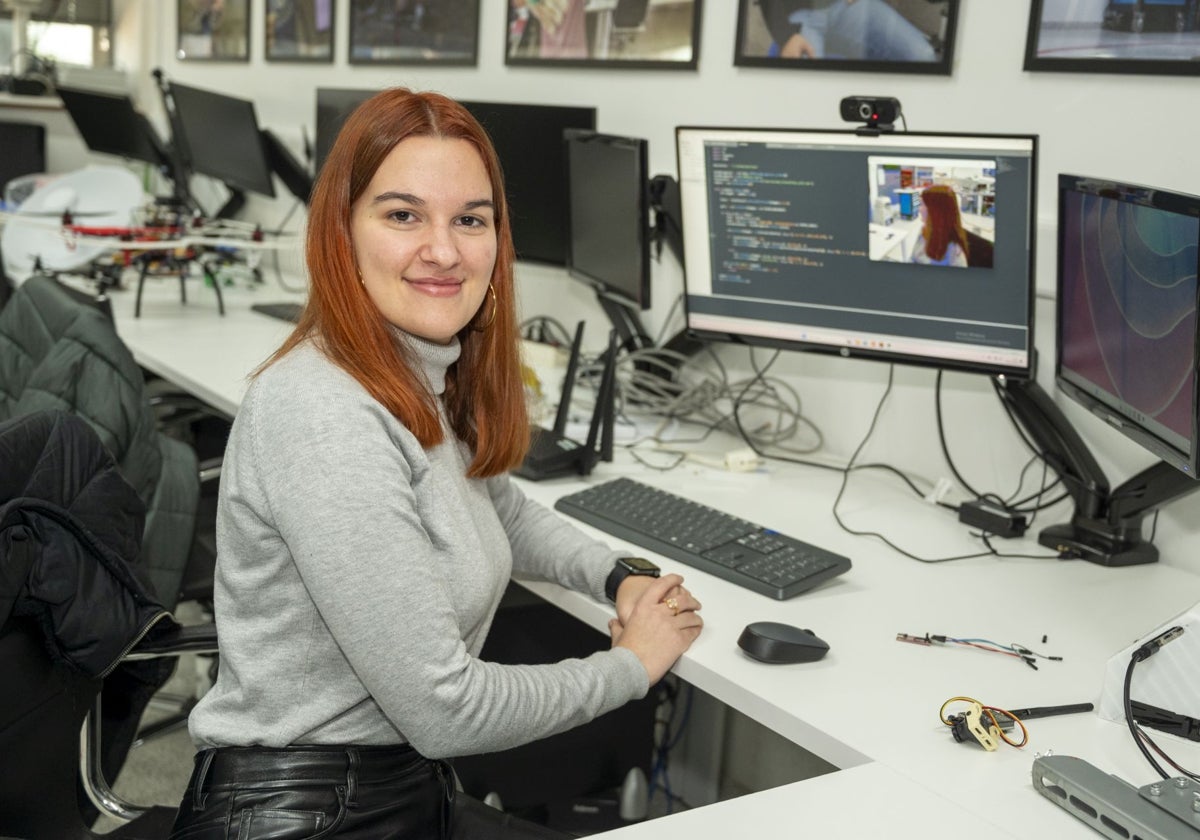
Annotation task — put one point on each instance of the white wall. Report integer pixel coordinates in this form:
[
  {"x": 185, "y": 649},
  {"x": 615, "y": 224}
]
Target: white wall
[{"x": 1132, "y": 128}]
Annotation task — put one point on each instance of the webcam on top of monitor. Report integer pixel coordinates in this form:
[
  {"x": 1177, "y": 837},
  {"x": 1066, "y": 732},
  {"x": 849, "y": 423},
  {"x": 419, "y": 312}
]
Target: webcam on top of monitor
[{"x": 877, "y": 113}]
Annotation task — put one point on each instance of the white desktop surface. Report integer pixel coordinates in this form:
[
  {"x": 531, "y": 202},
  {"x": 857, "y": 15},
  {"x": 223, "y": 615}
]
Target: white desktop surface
[
  {"x": 208, "y": 354},
  {"x": 872, "y": 703},
  {"x": 865, "y": 802}
]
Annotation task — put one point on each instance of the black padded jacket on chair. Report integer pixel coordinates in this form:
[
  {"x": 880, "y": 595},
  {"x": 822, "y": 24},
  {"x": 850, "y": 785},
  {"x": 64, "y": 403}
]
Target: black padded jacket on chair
[
  {"x": 68, "y": 524},
  {"x": 60, "y": 353}
]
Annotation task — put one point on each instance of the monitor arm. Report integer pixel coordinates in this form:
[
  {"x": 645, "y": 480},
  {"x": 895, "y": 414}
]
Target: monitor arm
[
  {"x": 1106, "y": 526},
  {"x": 176, "y": 166}
]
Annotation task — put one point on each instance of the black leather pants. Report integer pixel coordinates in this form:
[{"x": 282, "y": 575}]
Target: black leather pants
[{"x": 351, "y": 793}]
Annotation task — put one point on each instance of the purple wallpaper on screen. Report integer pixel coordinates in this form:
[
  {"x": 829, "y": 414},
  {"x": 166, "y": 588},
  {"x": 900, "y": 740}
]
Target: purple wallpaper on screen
[{"x": 1129, "y": 304}]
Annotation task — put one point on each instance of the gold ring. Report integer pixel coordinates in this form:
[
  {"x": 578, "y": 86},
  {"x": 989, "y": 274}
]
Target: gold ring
[{"x": 673, "y": 605}]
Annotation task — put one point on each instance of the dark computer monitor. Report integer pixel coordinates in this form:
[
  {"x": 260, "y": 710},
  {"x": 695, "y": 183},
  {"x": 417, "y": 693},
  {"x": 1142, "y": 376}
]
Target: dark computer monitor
[
  {"x": 22, "y": 150},
  {"x": 609, "y": 233},
  {"x": 110, "y": 124},
  {"x": 1127, "y": 297},
  {"x": 528, "y": 141},
  {"x": 217, "y": 135},
  {"x": 334, "y": 105},
  {"x": 817, "y": 240}
]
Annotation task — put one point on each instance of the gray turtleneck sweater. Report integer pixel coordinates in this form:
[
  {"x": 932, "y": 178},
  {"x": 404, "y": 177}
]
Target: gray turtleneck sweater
[{"x": 358, "y": 574}]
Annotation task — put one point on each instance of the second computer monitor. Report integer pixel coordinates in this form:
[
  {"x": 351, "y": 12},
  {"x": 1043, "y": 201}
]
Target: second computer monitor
[
  {"x": 110, "y": 124},
  {"x": 904, "y": 247},
  {"x": 529, "y": 142},
  {"x": 609, "y": 242},
  {"x": 1127, "y": 322},
  {"x": 218, "y": 136}
]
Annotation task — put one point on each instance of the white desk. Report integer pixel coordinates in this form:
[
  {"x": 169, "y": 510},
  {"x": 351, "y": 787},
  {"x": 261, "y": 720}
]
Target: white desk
[
  {"x": 871, "y": 705},
  {"x": 207, "y": 354}
]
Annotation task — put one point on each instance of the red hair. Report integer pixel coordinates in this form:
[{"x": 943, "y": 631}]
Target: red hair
[
  {"x": 485, "y": 397},
  {"x": 943, "y": 224}
]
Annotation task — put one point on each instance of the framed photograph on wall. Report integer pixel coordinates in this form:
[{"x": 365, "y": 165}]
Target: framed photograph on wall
[
  {"x": 299, "y": 30},
  {"x": 641, "y": 34},
  {"x": 406, "y": 32},
  {"x": 212, "y": 30},
  {"x": 895, "y": 36},
  {"x": 1115, "y": 36}
]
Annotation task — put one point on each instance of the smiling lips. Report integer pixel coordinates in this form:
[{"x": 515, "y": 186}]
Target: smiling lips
[{"x": 434, "y": 286}]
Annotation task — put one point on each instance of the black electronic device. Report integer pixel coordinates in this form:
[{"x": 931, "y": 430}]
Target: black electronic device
[
  {"x": 334, "y": 105},
  {"x": 284, "y": 310},
  {"x": 551, "y": 452},
  {"x": 757, "y": 558},
  {"x": 529, "y": 142},
  {"x": 110, "y": 124},
  {"x": 609, "y": 230},
  {"x": 1127, "y": 299},
  {"x": 22, "y": 150},
  {"x": 781, "y": 644},
  {"x": 294, "y": 174},
  {"x": 879, "y": 112},
  {"x": 528, "y": 139},
  {"x": 815, "y": 240},
  {"x": 217, "y": 135}
]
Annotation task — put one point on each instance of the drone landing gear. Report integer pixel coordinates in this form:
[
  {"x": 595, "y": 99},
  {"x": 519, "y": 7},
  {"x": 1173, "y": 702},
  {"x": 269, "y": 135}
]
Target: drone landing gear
[{"x": 168, "y": 262}]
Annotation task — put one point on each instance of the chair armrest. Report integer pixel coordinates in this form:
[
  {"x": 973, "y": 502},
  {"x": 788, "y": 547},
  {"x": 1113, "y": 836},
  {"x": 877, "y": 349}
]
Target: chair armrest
[{"x": 181, "y": 639}]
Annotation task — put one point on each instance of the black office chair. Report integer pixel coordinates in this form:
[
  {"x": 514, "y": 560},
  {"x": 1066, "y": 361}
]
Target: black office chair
[
  {"x": 59, "y": 350},
  {"x": 75, "y": 612}
]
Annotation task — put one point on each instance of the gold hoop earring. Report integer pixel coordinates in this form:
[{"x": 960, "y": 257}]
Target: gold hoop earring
[{"x": 495, "y": 309}]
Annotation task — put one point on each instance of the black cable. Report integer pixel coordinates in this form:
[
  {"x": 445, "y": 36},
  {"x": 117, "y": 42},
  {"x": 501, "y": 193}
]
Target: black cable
[
  {"x": 937, "y": 405},
  {"x": 846, "y": 475},
  {"x": 1140, "y": 737},
  {"x": 1133, "y": 727}
]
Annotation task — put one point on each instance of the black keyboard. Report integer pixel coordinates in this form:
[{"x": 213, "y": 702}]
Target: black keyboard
[
  {"x": 283, "y": 310},
  {"x": 733, "y": 549}
]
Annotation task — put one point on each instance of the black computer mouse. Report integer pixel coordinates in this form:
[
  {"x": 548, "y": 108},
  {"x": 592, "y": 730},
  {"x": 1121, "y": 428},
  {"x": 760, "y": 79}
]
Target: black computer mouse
[{"x": 781, "y": 644}]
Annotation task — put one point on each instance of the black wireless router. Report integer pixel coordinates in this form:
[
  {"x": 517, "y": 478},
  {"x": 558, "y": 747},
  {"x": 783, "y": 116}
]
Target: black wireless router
[{"x": 551, "y": 453}]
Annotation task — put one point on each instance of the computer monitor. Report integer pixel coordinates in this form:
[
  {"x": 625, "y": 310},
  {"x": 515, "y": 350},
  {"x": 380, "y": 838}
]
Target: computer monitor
[
  {"x": 529, "y": 142},
  {"x": 903, "y": 247},
  {"x": 22, "y": 151},
  {"x": 110, "y": 124},
  {"x": 217, "y": 135},
  {"x": 609, "y": 233},
  {"x": 1127, "y": 296},
  {"x": 334, "y": 105}
]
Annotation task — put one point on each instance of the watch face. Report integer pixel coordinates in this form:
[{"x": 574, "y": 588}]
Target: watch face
[{"x": 639, "y": 565}]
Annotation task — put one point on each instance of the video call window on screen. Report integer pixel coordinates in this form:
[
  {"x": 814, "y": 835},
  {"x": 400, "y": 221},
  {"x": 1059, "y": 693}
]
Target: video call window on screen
[
  {"x": 932, "y": 211},
  {"x": 892, "y": 246}
]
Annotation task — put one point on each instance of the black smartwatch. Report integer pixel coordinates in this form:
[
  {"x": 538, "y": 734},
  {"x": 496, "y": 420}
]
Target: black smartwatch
[{"x": 625, "y": 567}]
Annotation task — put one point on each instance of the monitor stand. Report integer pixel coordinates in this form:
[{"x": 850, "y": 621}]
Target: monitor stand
[{"x": 1106, "y": 525}]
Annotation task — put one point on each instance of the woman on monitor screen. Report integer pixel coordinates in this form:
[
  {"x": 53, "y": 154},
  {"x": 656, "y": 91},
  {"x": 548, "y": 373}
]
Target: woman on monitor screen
[
  {"x": 367, "y": 526},
  {"x": 942, "y": 240}
]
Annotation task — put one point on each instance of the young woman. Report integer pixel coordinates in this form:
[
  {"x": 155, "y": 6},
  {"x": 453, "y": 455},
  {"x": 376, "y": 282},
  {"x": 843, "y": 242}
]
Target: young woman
[
  {"x": 942, "y": 240},
  {"x": 367, "y": 525}
]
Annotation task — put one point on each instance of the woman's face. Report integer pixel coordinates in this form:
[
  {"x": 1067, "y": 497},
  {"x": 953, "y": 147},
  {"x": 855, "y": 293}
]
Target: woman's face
[{"x": 424, "y": 236}]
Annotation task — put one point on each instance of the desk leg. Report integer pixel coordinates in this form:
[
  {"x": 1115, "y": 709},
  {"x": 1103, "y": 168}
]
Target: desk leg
[
  {"x": 137, "y": 307},
  {"x": 220, "y": 300},
  {"x": 182, "y": 281}
]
